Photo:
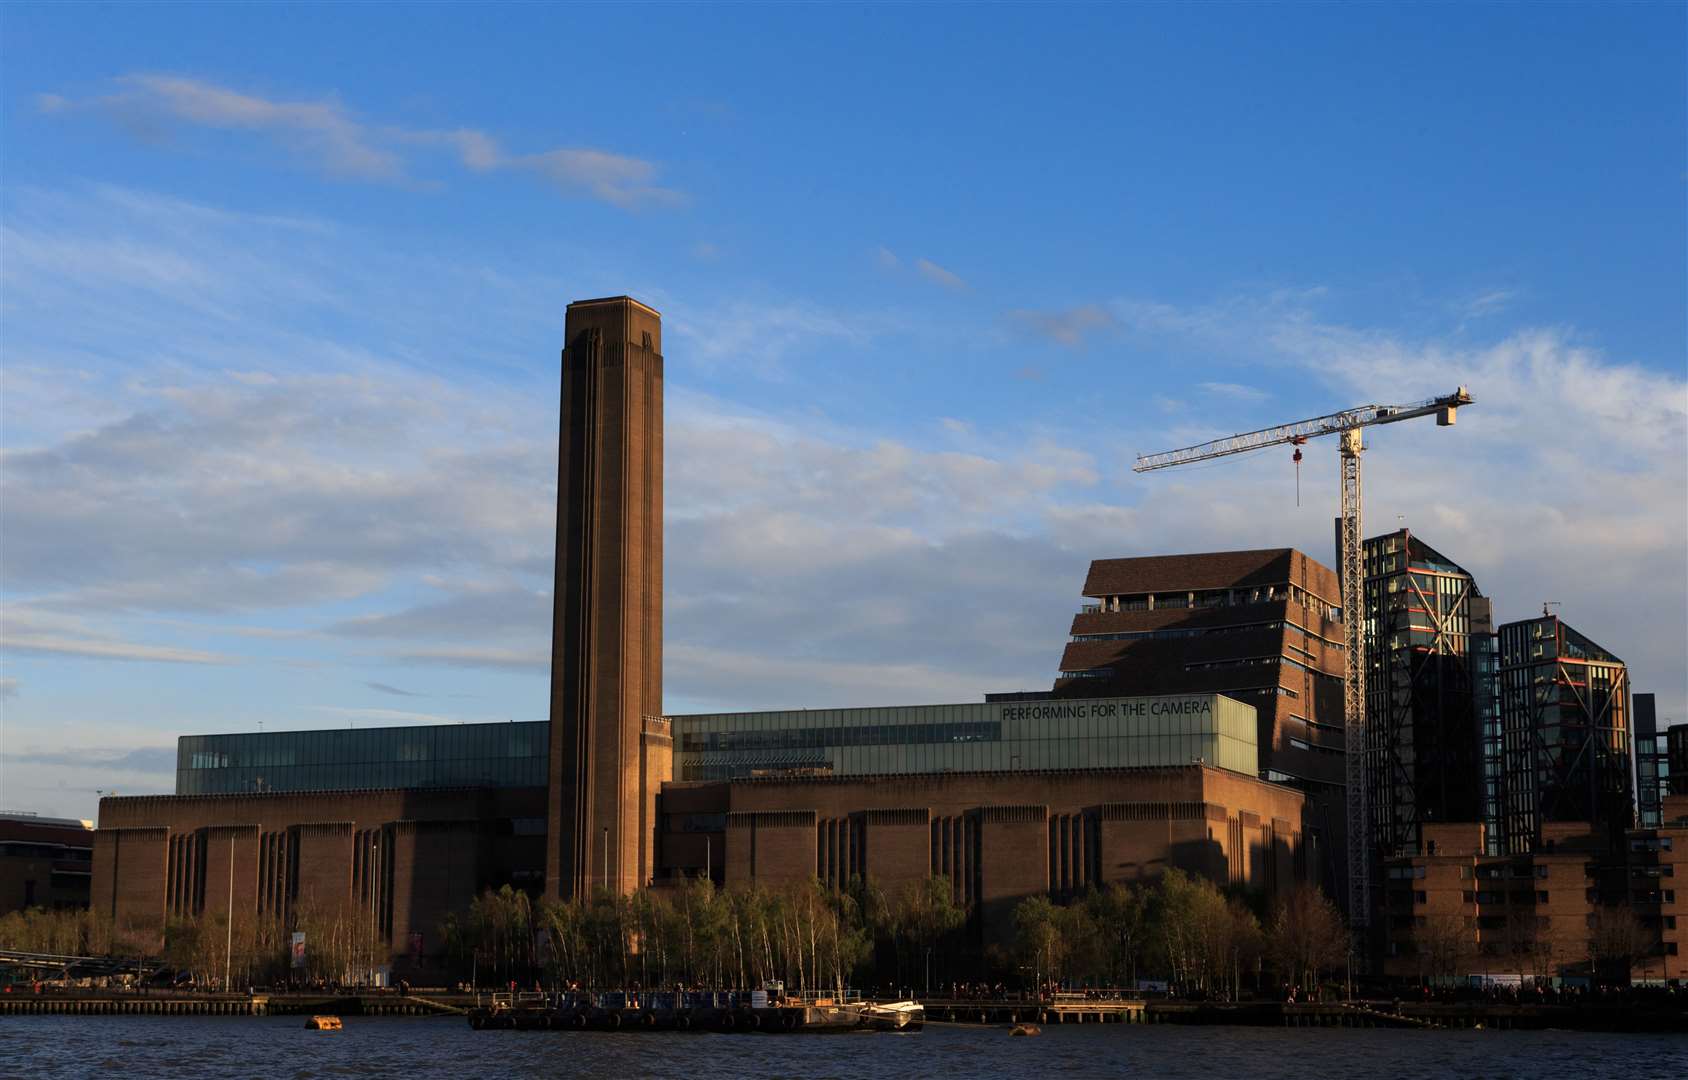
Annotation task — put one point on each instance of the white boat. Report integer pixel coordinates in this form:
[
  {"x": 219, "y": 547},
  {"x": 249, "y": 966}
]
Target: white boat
[{"x": 895, "y": 1016}]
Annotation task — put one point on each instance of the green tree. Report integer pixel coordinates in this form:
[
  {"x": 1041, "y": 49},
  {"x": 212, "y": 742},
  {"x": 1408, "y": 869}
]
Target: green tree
[
  {"x": 1119, "y": 914},
  {"x": 1036, "y": 936},
  {"x": 927, "y": 915}
]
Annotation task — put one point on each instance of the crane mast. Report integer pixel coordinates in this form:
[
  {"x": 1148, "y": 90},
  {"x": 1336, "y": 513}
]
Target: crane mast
[{"x": 1352, "y": 580}]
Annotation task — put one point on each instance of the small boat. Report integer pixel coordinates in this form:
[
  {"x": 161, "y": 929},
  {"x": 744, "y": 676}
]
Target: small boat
[
  {"x": 895, "y": 1016},
  {"x": 323, "y": 1023}
]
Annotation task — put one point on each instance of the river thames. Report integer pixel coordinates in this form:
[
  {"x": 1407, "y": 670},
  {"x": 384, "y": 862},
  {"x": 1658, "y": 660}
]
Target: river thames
[{"x": 85, "y": 1047}]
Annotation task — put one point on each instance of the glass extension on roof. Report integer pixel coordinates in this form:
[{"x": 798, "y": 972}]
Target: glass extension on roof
[
  {"x": 454, "y": 755},
  {"x": 1075, "y": 733}
]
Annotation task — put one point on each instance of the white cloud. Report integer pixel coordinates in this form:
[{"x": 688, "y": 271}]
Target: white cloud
[
  {"x": 759, "y": 337},
  {"x": 384, "y": 511},
  {"x": 324, "y": 134},
  {"x": 1565, "y": 479}
]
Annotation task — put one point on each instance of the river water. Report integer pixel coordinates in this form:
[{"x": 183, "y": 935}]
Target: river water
[{"x": 190, "y": 1047}]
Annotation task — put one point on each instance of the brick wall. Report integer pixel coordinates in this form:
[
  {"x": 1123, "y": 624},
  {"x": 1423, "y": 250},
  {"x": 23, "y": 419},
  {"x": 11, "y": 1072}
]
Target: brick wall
[{"x": 404, "y": 858}]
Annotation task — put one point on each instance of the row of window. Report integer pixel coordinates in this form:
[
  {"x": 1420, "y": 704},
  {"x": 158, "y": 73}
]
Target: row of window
[
  {"x": 365, "y": 775},
  {"x": 1210, "y": 598}
]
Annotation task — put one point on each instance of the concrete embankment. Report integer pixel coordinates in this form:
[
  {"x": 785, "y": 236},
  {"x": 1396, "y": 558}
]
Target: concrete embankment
[
  {"x": 1628, "y": 1017},
  {"x": 224, "y": 1005}
]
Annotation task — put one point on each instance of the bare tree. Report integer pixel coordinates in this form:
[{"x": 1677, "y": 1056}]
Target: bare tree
[
  {"x": 1307, "y": 936},
  {"x": 1616, "y": 939}
]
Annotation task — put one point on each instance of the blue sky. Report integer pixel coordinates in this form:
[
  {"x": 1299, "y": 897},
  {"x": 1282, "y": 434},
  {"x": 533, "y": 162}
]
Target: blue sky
[{"x": 283, "y": 292}]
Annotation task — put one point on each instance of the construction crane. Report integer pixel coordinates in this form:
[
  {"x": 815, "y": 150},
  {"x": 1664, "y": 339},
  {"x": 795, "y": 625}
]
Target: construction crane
[{"x": 1348, "y": 424}]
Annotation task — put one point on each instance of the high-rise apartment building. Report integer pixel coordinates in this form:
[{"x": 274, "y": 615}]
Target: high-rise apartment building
[
  {"x": 610, "y": 747},
  {"x": 1675, "y": 778},
  {"x": 1566, "y": 725},
  {"x": 1427, "y": 627},
  {"x": 1652, "y": 762}
]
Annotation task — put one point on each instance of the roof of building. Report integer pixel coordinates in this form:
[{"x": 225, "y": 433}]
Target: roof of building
[
  {"x": 1208, "y": 570},
  {"x": 24, "y": 817},
  {"x": 615, "y": 300}
]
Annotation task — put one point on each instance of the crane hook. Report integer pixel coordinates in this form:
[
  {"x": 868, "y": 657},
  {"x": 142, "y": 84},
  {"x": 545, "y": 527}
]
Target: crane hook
[{"x": 1297, "y": 459}]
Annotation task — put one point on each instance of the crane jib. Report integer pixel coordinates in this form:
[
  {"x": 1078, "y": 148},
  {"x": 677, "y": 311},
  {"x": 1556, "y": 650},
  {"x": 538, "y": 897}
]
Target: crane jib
[{"x": 1348, "y": 419}]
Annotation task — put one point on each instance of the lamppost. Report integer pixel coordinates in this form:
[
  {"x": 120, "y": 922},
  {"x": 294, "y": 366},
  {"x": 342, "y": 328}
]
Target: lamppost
[
  {"x": 374, "y": 905},
  {"x": 228, "y": 941}
]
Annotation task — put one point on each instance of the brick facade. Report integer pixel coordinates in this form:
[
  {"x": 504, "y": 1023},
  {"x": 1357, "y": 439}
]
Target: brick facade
[
  {"x": 608, "y": 754},
  {"x": 998, "y": 837},
  {"x": 44, "y": 862},
  {"x": 1452, "y": 912},
  {"x": 403, "y": 859}
]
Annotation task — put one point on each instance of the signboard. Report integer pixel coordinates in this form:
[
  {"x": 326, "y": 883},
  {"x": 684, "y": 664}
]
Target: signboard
[
  {"x": 297, "y": 948},
  {"x": 1109, "y": 709}
]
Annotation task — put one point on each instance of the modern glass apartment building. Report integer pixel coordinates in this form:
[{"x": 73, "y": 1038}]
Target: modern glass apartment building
[
  {"x": 1652, "y": 763},
  {"x": 446, "y": 755},
  {"x": 1485, "y": 687},
  {"x": 1673, "y": 778},
  {"x": 995, "y": 736},
  {"x": 1566, "y": 724},
  {"x": 1427, "y": 635}
]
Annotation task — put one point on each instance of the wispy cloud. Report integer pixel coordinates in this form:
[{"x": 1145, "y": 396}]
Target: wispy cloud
[
  {"x": 1067, "y": 326},
  {"x": 1488, "y": 303},
  {"x": 386, "y": 716},
  {"x": 326, "y": 135},
  {"x": 931, "y": 271},
  {"x": 534, "y": 659},
  {"x": 27, "y": 630},
  {"x": 147, "y": 759},
  {"x": 383, "y": 688},
  {"x": 615, "y": 178},
  {"x": 890, "y": 262},
  {"x": 1234, "y": 391}
]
